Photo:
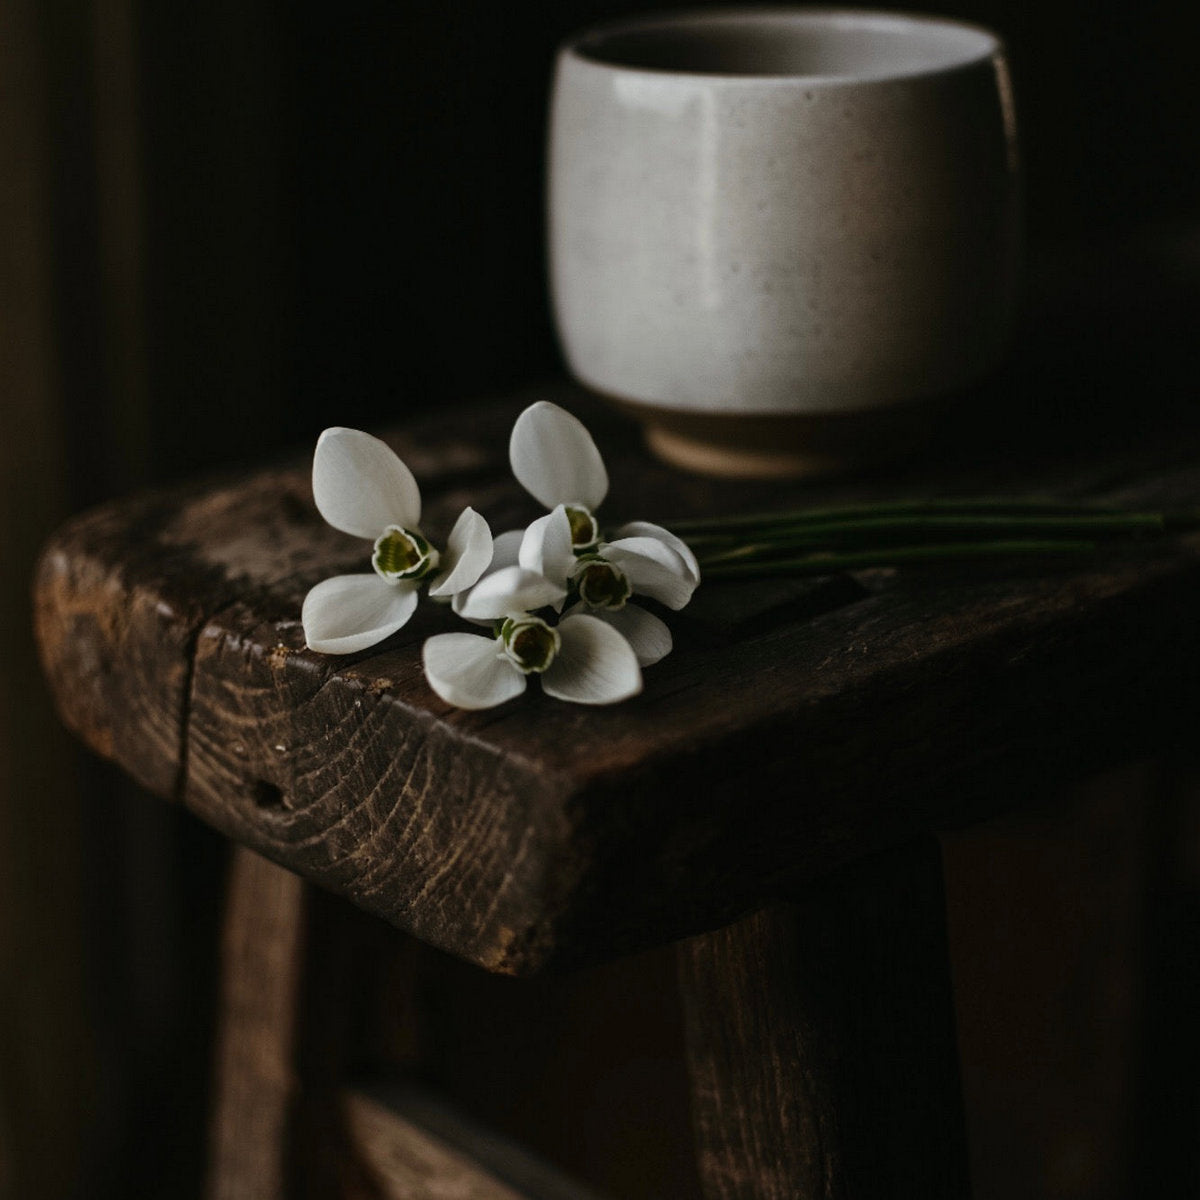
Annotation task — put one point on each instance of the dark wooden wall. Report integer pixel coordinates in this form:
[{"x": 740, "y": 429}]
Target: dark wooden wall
[{"x": 225, "y": 226}]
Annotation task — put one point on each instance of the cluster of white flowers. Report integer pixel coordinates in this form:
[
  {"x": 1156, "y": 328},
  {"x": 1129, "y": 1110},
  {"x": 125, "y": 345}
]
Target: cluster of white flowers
[{"x": 555, "y": 595}]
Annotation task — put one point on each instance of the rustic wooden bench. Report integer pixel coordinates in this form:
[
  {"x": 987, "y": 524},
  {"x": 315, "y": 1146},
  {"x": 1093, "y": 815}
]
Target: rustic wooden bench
[{"x": 768, "y": 805}]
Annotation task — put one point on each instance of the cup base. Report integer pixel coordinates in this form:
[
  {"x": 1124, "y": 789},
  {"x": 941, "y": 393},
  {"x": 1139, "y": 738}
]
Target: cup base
[{"x": 793, "y": 446}]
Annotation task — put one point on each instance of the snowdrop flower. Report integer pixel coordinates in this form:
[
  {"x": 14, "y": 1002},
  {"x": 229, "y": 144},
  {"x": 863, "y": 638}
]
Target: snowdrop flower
[
  {"x": 602, "y": 580},
  {"x": 554, "y": 458},
  {"x": 362, "y": 488},
  {"x": 643, "y": 563},
  {"x": 580, "y": 659}
]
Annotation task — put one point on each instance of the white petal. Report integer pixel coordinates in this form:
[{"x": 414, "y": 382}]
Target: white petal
[
  {"x": 554, "y": 458},
  {"x": 470, "y": 671},
  {"x": 456, "y": 604},
  {"x": 595, "y": 665},
  {"x": 349, "y": 613},
  {"x": 546, "y": 547},
  {"x": 646, "y": 633},
  {"x": 669, "y": 539},
  {"x": 653, "y": 569},
  {"x": 509, "y": 590},
  {"x": 468, "y": 554},
  {"x": 361, "y": 486},
  {"x": 506, "y": 549}
]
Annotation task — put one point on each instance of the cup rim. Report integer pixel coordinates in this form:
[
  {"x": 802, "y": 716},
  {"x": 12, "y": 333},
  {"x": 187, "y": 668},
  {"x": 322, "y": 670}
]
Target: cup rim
[{"x": 576, "y": 47}]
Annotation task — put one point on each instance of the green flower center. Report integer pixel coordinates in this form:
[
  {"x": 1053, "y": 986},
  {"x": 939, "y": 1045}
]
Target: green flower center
[
  {"x": 584, "y": 530},
  {"x": 403, "y": 554},
  {"x": 529, "y": 643},
  {"x": 601, "y": 585}
]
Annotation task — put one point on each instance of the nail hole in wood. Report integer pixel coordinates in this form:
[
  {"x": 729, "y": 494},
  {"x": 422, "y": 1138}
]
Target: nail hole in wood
[{"x": 267, "y": 795}]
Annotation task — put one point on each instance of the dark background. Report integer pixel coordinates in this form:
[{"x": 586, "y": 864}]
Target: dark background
[
  {"x": 339, "y": 210},
  {"x": 228, "y": 225}
]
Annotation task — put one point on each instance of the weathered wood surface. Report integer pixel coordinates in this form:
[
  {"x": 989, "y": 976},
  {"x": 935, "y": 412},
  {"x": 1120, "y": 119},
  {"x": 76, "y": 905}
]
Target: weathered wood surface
[
  {"x": 821, "y": 1043},
  {"x": 793, "y": 729}
]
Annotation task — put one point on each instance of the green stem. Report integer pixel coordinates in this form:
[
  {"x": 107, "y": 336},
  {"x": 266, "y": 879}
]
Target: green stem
[
  {"x": 829, "y": 563},
  {"x": 981, "y": 506},
  {"x": 768, "y": 542}
]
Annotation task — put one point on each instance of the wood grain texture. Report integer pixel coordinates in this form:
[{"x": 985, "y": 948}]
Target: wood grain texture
[
  {"x": 834, "y": 720},
  {"x": 821, "y": 1043}
]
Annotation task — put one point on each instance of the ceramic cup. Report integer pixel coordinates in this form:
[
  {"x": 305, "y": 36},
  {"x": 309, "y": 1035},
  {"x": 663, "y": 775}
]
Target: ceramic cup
[{"x": 782, "y": 236}]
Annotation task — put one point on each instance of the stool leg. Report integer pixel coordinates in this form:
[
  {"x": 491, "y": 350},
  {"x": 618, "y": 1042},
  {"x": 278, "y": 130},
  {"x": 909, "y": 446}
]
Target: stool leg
[
  {"x": 821, "y": 1043},
  {"x": 256, "y": 1087}
]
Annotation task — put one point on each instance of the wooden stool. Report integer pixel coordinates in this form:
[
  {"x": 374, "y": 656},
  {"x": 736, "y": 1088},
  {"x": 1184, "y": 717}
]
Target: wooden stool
[{"x": 768, "y": 804}]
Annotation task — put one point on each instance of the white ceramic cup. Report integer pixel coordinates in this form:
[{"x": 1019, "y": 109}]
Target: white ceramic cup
[{"x": 767, "y": 225}]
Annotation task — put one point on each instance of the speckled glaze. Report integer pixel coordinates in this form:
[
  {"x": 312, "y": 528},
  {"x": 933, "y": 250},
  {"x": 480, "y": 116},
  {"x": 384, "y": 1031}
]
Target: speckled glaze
[{"x": 782, "y": 212}]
